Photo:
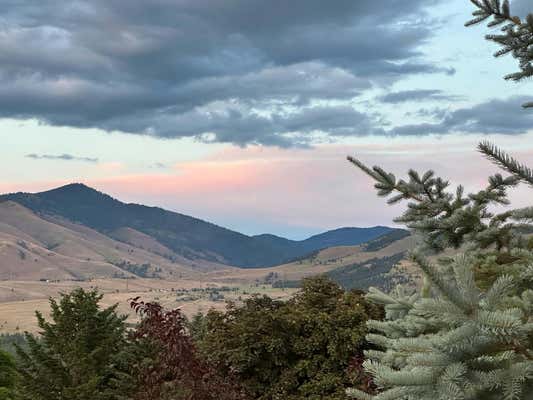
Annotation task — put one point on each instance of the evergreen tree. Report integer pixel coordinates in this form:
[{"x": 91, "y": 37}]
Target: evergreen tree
[
  {"x": 76, "y": 355},
  {"x": 8, "y": 377},
  {"x": 516, "y": 35},
  {"x": 9, "y": 341},
  {"x": 469, "y": 333}
]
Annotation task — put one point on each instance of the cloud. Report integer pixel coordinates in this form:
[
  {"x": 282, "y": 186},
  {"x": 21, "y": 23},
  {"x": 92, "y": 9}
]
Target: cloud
[
  {"x": 280, "y": 189},
  {"x": 147, "y": 67},
  {"x": 416, "y": 95},
  {"x": 300, "y": 127},
  {"x": 490, "y": 117},
  {"x": 158, "y": 165},
  {"x": 63, "y": 157}
]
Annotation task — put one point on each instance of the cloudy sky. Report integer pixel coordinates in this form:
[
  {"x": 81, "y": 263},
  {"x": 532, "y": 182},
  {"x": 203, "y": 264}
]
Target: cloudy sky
[{"x": 241, "y": 112}]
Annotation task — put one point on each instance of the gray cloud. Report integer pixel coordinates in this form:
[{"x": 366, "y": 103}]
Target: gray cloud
[
  {"x": 416, "y": 95},
  {"x": 147, "y": 68},
  {"x": 491, "y": 117},
  {"x": 63, "y": 157},
  {"x": 282, "y": 129},
  {"x": 158, "y": 165}
]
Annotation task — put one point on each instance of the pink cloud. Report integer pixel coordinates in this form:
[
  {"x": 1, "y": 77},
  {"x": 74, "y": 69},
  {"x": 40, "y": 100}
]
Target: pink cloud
[
  {"x": 313, "y": 188},
  {"x": 316, "y": 188}
]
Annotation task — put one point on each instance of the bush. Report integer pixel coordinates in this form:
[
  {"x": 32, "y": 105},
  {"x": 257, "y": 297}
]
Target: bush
[{"x": 172, "y": 368}]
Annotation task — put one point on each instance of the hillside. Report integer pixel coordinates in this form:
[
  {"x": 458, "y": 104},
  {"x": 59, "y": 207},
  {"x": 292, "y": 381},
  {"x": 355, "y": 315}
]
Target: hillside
[
  {"x": 171, "y": 234},
  {"x": 33, "y": 248},
  {"x": 376, "y": 263}
]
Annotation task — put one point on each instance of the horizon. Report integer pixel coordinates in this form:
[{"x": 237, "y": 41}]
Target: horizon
[
  {"x": 260, "y": 234},
  {"x": 244, "y": 118}
]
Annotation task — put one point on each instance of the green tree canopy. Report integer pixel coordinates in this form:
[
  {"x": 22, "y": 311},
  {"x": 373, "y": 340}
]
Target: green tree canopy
[
  {"x": 8, "y": 376},
  {"x": 302, "y": 348},
  {"x": 77, "y": 354}
]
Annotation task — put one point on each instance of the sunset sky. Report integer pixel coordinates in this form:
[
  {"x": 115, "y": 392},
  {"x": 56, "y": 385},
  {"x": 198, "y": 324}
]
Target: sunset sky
[{"x": 242, "y": 112}]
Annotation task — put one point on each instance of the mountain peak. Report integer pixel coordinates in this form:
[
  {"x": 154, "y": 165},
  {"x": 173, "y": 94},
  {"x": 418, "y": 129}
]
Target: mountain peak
[
  {"x": 78, "y": 192},
  {"x": 73, "y": 187}
]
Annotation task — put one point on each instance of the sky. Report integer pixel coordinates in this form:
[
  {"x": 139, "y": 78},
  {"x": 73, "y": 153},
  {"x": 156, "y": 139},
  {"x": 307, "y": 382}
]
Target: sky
[{"x": 242, "y": 112}]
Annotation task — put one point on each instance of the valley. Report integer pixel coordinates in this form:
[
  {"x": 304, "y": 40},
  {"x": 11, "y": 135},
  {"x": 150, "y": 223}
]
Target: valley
[
  {"x": 49, "y": 246},
  {"x": 20, "y": 299}
]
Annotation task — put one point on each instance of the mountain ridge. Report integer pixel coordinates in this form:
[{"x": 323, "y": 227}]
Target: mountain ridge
[{"x": 185, "y": 235}]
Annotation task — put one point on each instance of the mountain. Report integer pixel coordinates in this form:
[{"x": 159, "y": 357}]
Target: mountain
[
  {"x": 345, "y": 237},
  {"x": 374, "y": 272},
  {"x": 381, "y": 262},
  {"x": 294, "y": 250},
  {"x": 171, "y": 234}
]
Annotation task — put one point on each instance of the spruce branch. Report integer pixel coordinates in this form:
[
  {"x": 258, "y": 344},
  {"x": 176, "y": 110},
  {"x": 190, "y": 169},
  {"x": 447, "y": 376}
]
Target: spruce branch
[
  {"x": 516, "y": 36},
  {"x": 505, "y": 161},
  {"x": 445, "y": 218},
  {"x": 386, "y": 183}
]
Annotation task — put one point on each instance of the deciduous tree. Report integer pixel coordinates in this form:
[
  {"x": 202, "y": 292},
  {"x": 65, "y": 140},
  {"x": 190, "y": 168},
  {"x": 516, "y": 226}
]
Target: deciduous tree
[{"x": 303, "y": 348}]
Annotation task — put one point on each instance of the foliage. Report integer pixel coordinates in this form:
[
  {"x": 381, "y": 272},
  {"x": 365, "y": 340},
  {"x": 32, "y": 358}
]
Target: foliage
[
  {"x": 302, "y": 348},
  {"x": 78, "y": 354},
  {"x": 445, "y": 218},
  {"x": 469, "y": 333},
  {"x": 516, "y": 35},
  {"x": 140, "y": 270},
  {"x": 520, "y": 171},
  {"x": 8, "y": 377},
  {"x": 287, "y": 284},
  {"x": 172, "y": 368}
]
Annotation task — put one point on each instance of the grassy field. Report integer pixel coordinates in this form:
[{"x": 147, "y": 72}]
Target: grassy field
[{"x": 20, "y": 299}]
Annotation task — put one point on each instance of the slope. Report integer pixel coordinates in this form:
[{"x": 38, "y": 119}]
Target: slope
[
  {"x": 351, "y": 266},
  {"x": 32, "y": 247}
]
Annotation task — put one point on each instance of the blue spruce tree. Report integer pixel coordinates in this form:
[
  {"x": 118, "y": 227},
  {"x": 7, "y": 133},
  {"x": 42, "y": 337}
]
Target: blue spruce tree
[{"x": 468, "y": 332}]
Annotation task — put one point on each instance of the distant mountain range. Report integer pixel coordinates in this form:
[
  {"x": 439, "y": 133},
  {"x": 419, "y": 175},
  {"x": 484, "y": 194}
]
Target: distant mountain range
[{"x": 173, "y": 235}]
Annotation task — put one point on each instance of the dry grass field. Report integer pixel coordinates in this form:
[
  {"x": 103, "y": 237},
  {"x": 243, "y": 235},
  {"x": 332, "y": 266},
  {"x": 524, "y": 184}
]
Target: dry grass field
[
  {"x": 33, "y": 247},
  {"x": 20, "y": 299}
]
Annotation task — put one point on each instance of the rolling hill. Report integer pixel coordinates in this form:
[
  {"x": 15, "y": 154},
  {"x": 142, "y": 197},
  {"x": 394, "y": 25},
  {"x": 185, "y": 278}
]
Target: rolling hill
[
  {"x": 381, "y": 262},
  {"x": 32, "y": 248},
  {"x": 175, "y": 236}
]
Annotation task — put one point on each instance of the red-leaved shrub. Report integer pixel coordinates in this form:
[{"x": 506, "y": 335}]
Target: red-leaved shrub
[{"x": 176, "y": 371}]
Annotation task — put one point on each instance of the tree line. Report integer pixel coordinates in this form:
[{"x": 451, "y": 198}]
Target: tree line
[{"x": 307, "y": 347}]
